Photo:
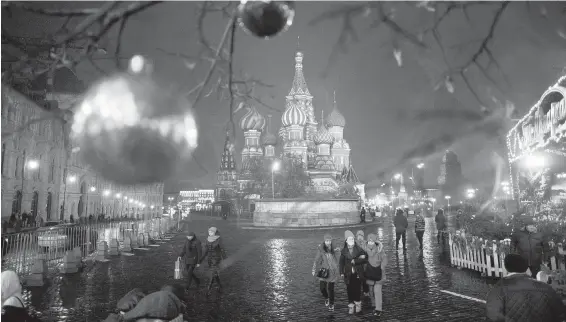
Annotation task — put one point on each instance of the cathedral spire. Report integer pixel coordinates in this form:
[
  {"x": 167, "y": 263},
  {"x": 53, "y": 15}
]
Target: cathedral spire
[{"x": 299, "y": 83}]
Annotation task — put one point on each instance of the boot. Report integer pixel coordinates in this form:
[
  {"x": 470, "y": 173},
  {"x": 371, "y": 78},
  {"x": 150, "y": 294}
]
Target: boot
[
  {"x": 350, "y": 308},
  {"x": 358, "y": 306}
]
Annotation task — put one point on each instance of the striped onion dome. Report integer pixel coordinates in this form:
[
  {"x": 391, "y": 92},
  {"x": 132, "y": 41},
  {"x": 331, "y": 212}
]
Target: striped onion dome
[
  {"x": 252, "y": 120},
  {"x": 335, "y": 118},
  {"x": 269, "y": 139},
  {"x": 322, "y": 136},
  {"x": 293, "y": 115}
]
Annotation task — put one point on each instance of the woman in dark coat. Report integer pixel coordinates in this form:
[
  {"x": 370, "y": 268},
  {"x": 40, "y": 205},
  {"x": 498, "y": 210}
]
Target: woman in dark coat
[
  {"x": 327, "y": 257},
  {"x": 352, "y": 262},
  {"x": 216, "y": 253},
  {"x": 192, "y": 252}
]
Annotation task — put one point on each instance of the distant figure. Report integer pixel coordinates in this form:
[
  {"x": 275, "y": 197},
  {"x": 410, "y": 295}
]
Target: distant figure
[
  {"x": 420, "y": 225},
  {"x": 363, "y": 215},
  {"x": 72, "y": 219},
  {"x": 518, "y": 297},
  {"x": 401, "y": 225},
  {"x": 440, "y": 225}
]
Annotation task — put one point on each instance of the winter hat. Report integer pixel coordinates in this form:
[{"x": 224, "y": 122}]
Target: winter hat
[
  {"x": 515, "y": 263},
  {"x": 527, "y": 220},
  {"x": 372, "y": 238},
  {"x": 348, "y": 234},
  {"x": 213, "y": 229},
  {"x": 327, "y": 237},
  {"x": 360, "y": 233}
]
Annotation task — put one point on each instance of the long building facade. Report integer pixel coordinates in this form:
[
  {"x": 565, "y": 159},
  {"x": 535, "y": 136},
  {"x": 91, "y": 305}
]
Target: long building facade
[{"x": 41, "y": 177}]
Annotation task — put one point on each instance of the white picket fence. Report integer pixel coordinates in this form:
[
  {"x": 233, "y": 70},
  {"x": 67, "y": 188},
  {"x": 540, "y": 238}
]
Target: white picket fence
[{"x": 489, "y": 259}]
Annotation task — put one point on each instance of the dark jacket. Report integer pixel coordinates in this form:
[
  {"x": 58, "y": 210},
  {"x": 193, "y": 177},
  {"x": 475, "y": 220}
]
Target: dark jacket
[
  {"x": 519, "y": 298},
  {"x": 17, "y": 314},
  {"x": 531, "y": 247},
  {"x": 192, "y": 250},
  {"x": 346, "y": 262},
  {"x": 214, "y": 249},
  {"x": 440, "y": 221},
  {"x": 420, "y": 224},
  {"x": 400, "y": 223}
]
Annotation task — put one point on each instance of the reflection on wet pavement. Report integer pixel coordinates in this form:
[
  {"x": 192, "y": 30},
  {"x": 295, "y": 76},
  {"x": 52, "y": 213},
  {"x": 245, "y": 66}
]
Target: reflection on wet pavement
[{"x": 269, "y": 279}]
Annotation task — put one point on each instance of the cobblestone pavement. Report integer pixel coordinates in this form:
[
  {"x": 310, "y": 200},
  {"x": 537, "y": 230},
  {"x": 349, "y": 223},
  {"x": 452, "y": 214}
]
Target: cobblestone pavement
[{"x": 269, "y": 279}]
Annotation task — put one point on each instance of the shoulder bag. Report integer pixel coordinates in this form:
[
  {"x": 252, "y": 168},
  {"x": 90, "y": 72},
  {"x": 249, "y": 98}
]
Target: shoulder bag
[
  {"x": 323, "y": 273},
  {"x": 373, "y": 273}
]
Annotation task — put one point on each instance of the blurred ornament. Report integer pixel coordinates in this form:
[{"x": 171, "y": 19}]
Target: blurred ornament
[
  {"x": 449, "y": 84},
  {"x": 133, "y": 131},
  {"x": 398, "y": 56},
  {"x": 265, "y": 18}
]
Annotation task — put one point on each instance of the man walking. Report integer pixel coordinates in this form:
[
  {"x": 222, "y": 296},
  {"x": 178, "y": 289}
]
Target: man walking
[
  {"x": 531, "y": 245},
  {"x": 518, "y": 297},
  {"x": 401, "y": 225},
  {"x": 440, "y": 225},
  {"x": 420, "y": 228},
  {"x": 192, "y": 251},
  {"x": 363, "y": 215}
]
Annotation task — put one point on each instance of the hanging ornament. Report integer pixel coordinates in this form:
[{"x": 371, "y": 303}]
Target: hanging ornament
[
  {"x": 131, "y": 130},
  {"x": 398, "y": 56},
  {"x": 265, "y": 18}
]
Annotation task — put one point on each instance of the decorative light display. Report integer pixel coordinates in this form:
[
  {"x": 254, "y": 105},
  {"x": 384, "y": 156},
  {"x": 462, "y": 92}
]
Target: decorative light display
[{"x": 131, "y": 130}]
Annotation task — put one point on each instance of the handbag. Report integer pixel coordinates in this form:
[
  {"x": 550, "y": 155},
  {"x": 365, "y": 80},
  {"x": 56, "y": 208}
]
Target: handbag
[
  {"x": 373, "y": 273},
  {"x": 323, "y": 273},
  {"x": 178, "y": 270}
]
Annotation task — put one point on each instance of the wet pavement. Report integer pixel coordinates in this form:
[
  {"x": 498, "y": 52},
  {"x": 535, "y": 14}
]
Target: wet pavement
[{"x": 269, "y": 279}]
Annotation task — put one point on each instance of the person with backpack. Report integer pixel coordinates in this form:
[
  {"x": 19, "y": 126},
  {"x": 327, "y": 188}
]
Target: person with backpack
[{"x": 401, "y": 225}]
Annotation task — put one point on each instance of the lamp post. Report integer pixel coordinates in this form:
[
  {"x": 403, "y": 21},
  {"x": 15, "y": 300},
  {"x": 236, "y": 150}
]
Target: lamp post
[
  {"x": 448, "y": 201},
  {"x": 32, "y": 165},
  {"x": 397, "y": 176},
  {"x": 274, "y": 167},
  {"x": 433, "y": 200}
]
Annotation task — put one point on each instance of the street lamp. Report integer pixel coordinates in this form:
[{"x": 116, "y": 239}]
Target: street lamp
[
  {"x": 32, "y": 165},
  {"x": 420, "y": 165},
  {"x": 106, "y": 193},
  {"x": 92, "y": 189},
  {"x": 118, "y": 195},
  {"x": 274, "y": 167},
  {"x": 433, "y": 200},
  {"x": 72, "y": 179},
  {"x": 448, "y": 200}
]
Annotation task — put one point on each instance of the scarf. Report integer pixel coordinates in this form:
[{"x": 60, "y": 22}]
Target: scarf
[
  {"x": 212, "y": 239},
  {"x": 375, "y": 254}
]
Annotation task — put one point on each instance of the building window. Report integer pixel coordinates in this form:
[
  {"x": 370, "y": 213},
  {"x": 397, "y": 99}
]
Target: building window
[
  {"x": 48, "y": 206},
  {"x": 17, "y": 202},
  {"x": 3, "y": 156},
  {"x": 34, "y": 203},
  {"x": 52, "y": 171}
]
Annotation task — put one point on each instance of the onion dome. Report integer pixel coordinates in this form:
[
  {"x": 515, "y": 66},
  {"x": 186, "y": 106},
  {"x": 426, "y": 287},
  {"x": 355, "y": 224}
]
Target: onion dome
[
  {"x": 252, "y": 120},
  {"x": 293, "y": 115},
  {"x": 335, "y": 118},
  {"x": 322, "y": 136},
  {"x": 269, "y": 139}
]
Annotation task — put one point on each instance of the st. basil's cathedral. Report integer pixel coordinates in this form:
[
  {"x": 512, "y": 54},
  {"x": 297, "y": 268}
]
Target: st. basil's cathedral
[{"x": 319, "y": 144}]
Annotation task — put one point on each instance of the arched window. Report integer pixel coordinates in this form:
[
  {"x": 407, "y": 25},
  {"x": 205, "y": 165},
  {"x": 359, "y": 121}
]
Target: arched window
[
  {"x": 34, "y": 202},
  {"x": 17, "y": 171},
  {"x": 3, "y": 156},
  {"x": 17, "y": 202},
  {"x": 52, "y": 171},
  {"x": 48, "y": 206}
]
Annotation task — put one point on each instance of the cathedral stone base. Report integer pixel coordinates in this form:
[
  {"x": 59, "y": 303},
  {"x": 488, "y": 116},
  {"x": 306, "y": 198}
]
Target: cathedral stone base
[{"x": 305, "y": 213}]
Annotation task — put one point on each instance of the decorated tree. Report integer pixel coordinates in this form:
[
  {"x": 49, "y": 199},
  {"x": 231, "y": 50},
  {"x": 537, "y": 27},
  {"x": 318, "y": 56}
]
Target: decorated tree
[{"x": 293, "y": 181}]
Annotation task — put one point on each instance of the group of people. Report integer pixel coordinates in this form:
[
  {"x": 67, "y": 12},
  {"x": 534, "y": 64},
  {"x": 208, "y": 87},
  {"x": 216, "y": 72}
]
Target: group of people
[
  {"x": 359, "y": 262},
  {"x": 402, "y": 224},
  {"x": 193, "y": 254},
  {"x": 17, "y": 221}
]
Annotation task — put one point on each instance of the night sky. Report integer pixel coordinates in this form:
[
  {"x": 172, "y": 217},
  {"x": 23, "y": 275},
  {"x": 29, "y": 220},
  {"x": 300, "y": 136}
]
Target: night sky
[{"x": 373, "y": 93}]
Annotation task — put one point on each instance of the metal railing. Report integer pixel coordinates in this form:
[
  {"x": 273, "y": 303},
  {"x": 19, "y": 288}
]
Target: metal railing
[{"x": 20, "y": 250}]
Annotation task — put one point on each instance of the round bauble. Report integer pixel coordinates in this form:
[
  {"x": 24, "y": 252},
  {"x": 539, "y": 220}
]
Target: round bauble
[
  {"x": 130, "y": 130},
  {"x": 265, "y": 19}
]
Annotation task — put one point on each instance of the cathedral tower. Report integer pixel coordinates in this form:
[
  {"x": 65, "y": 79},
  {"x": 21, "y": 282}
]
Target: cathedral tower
[
  {"x": 226, "y": 184},
  {"x": 340, "y": 148},
  {"x": 252, "y": 123},
  {"x": 269, "y": 141}
]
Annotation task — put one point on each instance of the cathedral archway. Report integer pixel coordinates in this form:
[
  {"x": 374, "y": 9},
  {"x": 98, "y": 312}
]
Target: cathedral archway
[
  {"x": 48, "y": 206},
  {"x": 81, "y": 207},
  {"x": 34, "y": 203},
  {"x": 17, "y": 202}
]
